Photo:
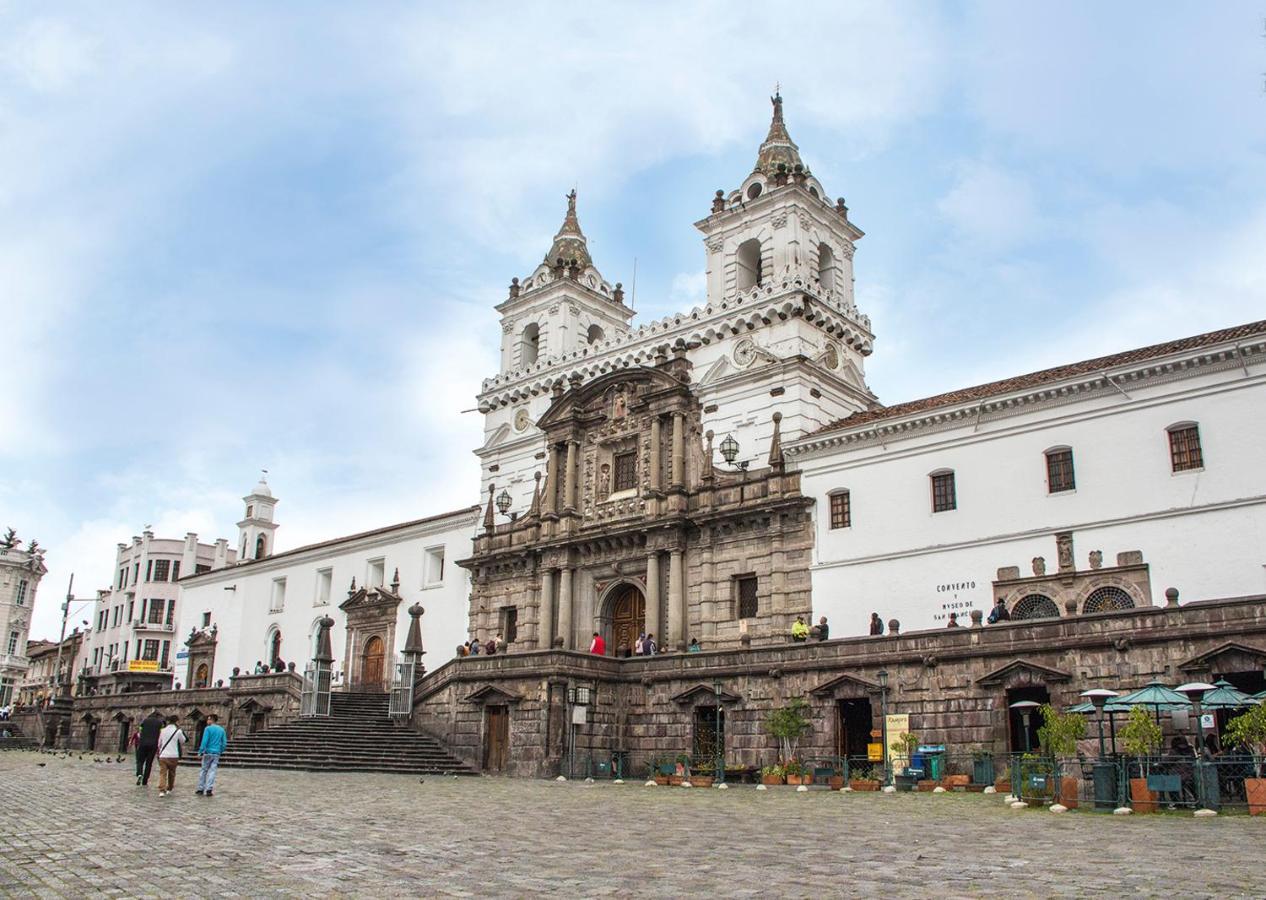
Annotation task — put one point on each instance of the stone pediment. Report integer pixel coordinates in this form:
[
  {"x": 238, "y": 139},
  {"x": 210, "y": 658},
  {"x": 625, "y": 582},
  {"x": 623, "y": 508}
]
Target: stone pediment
[
  {"x": 371, "y": 598},
  {"x": 1229, "y": 657},
  {"x": 253, "y": 705},
  {"x": 1023, "y": 671},
  {"x": 491, "y": 695},
  {"x": 701, "y": 692},
  {"x": 598, "y": 397},
  {"x": 201, "y": 639},
  {"x": 847, "y": 680}
]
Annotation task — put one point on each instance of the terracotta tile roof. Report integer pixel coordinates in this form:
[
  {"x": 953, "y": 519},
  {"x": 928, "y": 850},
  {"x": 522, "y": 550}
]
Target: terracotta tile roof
[
  {"x": 1046, "y": 376},
  {"x": 469, "y": 510}
]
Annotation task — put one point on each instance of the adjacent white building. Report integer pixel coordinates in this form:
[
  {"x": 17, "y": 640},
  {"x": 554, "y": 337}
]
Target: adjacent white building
[{"x": 20, "y": 574}]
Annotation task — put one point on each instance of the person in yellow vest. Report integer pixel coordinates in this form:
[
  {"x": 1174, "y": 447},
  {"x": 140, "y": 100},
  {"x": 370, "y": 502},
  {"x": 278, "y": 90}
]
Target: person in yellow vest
[{"x": 800, "y": 629}]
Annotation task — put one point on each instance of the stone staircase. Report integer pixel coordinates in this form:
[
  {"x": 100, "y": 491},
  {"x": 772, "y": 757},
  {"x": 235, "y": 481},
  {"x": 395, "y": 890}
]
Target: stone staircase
[
  {"x": 358, "y": 736},
  {"x": 15, "y": 739}
]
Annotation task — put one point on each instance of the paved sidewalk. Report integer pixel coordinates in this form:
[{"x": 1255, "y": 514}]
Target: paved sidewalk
[{"x": 72, "y": 828}]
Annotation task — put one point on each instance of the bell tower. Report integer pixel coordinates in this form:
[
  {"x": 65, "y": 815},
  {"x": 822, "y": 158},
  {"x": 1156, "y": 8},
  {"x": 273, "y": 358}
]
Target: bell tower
[
  {"x": 563, "y": 306},
  {"x": 256, "y": 531}
]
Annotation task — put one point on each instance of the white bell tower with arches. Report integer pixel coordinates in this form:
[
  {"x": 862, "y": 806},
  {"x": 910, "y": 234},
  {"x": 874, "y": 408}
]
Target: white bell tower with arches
[{"x": 256, "y": 531}]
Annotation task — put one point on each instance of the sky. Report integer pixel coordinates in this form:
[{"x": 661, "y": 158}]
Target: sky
[{"x": 241, "y": 236}]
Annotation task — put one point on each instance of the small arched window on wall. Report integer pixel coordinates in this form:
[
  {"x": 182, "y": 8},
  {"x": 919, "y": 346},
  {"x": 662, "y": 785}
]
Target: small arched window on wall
[
  {"x": 261, "y": 547},
  {"x": 531, "y": 345},
  {"x": 595, "y": 334},
  {"x": 747, "y": 265},
  {"x": 826, "y": 267}
]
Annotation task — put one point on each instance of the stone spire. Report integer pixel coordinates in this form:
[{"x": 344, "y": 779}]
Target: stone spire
[
  {"x": 570, "y": 244},
  {"x": 535, "y": 510},
  {"x": 490, "y": 520},
  {"x": 776, "y": 459},
  {"x": 778, "y": 148}
]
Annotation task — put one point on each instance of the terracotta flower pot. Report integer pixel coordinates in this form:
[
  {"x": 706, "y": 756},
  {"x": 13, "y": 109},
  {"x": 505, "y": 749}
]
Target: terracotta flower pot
[
  {"x": 1255, "y": 788},
  {"x": 957, "y": 781},
  {"x": 795, "y": 779},
  {"x": 675, "y": 780},
  {"x": 1141, "y": 799},
  {"x": 1002, "y": 785},
  {"x": 661, "y": 779},
  {"x": 701, "y": 780},
  {"x": 771, "y": 779},
  {"x": 928, "y": 785},
  {"x": 836, "y": 782},
  {"x": 1068, "y": 791},
  {"x": 862, "y": 784}
]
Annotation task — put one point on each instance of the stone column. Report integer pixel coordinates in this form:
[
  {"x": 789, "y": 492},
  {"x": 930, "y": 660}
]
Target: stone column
[
  {"x": 657, "y": 438},
  {"x": 676, "y": 601},
  {"x": 551, "y": 492},
  {"x": 545, "y": 612},
  {"x": 569, "y": 492},
  {"x": 679, "y": 451},
  {"x": 564, "y": 608},
  {"x": 653, "y": 597}
]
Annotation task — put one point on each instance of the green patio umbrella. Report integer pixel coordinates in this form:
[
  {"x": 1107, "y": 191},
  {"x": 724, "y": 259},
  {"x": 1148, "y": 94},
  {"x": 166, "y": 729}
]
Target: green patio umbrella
[
  {"x": 1156, "y": 695},
  {"x": 1225, "y": 696}
]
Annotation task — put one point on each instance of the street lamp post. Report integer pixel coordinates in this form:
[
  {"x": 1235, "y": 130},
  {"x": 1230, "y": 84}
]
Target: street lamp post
[
  {"x": 1207, "y": 794},
  {"x": 1105, "y": 782},
  {"x": 720, "y": 736},
  {"x": 1025, "y": 709},
  {"x": 883, "y": 721}
]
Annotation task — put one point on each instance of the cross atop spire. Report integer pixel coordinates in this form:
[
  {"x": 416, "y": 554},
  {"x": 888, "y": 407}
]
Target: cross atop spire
[
  {"x": 778, "y": 148},
  {"x": 570, "y": 244}
]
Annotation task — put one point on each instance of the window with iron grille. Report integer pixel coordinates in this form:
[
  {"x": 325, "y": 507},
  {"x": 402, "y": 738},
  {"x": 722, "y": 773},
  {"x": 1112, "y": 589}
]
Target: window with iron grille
[
  {"x": 841, "y": 510},
  {"x": 1059, "y": 471},
  {"x": 1184, "y": 448},
  {"x": 162, "y": 569},
  {"x": 22, "y": 586},
  {"x": 745, "y": 596},
  {"x": 624, "y": 470},
  {"x": 156, "y": 608},
  {"x": 151, "y": 650},
  {"x": 175, "y": 570},
  {"x": 509, "y": 624},
  {"x": 943, "y": 495}
]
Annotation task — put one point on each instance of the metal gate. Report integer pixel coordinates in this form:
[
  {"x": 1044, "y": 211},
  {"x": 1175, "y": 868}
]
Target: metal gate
[
  {"x": 315, "y": 698},
  {"x": 401, "y": 699}
]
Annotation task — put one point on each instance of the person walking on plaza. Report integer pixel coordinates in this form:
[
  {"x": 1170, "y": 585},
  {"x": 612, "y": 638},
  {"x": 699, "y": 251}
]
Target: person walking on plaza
[
  {"x": 876, "y": 624},
  {"x": 171, "y": 741},
  {"x": 147, "y": 746},
  {"x": 598, "y": 647},
  {"x": 800, "y": 630},
  {"x": 213, "y": 741}
]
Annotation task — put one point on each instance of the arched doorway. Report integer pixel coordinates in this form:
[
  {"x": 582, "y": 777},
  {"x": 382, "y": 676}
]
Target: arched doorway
[
  {"x": 371, "y": 662},
  {"x": 274, "y": 647},
  {"x": 628, "y": 619}
]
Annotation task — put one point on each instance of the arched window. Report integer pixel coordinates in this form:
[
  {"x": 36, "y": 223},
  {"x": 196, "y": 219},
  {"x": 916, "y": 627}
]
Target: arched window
[
  {"x": 274, "y": 645},
  {"x": 1035, "y": 606},
  {"x": 595, "y": 334},
  {"x": 1059, "y": 470},
  {"x": 1106, "y": 599},
  {"x": 754, "y": 190},
  {"x": 826, "y": 267},
  {"x": 531, "y": 346},
  {"x": 261, "y": 547},
  {"x": 1185, "y": 452},
  {"x": 747, "y": 264}
]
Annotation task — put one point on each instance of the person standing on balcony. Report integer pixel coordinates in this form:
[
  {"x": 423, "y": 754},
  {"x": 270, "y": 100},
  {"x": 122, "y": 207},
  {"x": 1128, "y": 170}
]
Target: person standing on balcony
[{"x": 598, "y": 647}]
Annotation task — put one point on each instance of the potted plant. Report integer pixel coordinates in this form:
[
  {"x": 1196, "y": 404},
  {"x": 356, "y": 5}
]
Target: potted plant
[
  {"x": 1059, "y": 735},
  {"x": 796, "y": 772},
  {"x": 772, "y": 774},
  {"x": 1141, "y": 737},
  {"x": 788, "y": 724},
  {"x": 681, "y": 769},
  {"x": 661, "y": 768},
  {"x": 903, "y": 747},
  {"x": 702, "y": 775},
  {"x": 863, "y": 779},
  {"x": 1248, "y": 730}
]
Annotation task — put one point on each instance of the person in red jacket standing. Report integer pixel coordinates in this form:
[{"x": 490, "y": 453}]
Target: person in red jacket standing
[{"x": 598, "y": 647}]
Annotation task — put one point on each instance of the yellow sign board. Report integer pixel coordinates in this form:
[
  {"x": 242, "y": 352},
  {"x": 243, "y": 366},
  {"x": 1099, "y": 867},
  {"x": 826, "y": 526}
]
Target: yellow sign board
[
  {"x": 142, "y": 665},
  {"x": 875, "y": 752},
  {"x": 897, "y": 725}
]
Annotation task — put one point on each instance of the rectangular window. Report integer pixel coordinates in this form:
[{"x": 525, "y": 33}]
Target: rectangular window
[
  {"x": 278, "y": 601},
  {"x": 745, "y": 596},
  {"x": 22, "y": 586},
  {"x": 841, "y": 510},
  {"x": 131, "y": 608},
  {"x": 206, "y": 620},
  {"x": 175, "y": 570},
  {"x": 377, "y": 569},
  {"x": 434, "y": 566},
  {"x": 162, "y": 569},
  {"x": 1184, "y": 448},
  {"x": 149, "y": 570},
  {"x": 171, "y": 611},
  {"x": 1059, "y": 471},
  {"x": 325, "y": 578},
  {"x": 509, "y": 624},
  {"x": 150, "y": 651},
  {"x": 122, "y": 576},
  {"x": 943, "y": 496},
  {"x": 136, "y": 573},
  {"x": 165, "y": 658},
  {"x": 624, "y": 468},
  {"x": 101, "y": 619},
  {"x": 199, "y": 568},
  {"x": 13, "y": 642},
  {"x": 156, "y": 609}
]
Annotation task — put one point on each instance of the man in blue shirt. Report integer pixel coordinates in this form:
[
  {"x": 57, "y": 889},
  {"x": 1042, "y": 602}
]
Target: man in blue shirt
[{"x": 213, "y": 740}]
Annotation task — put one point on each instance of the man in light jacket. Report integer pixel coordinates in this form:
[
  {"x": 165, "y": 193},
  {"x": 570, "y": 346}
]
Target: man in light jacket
[
  {"x": 171, "y": 742},
  {"x": 213, "y": 741}
]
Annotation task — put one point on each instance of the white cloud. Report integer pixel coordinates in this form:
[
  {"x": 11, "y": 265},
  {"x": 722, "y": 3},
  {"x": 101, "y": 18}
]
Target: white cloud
[
  {"x": 49, "y": 55},
  {"x": 689, "y": 289},
  {"x": 990, "y": 209}
]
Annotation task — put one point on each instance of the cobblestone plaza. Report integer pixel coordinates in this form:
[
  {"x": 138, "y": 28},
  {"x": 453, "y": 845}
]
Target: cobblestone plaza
[{"x": 78, "y": 828}]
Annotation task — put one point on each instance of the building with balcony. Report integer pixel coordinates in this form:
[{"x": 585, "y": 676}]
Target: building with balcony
[
  {"x": 44, "y": 665},
  {"x": 20, "y": 574},
  {"x": 132, "y": 635}
]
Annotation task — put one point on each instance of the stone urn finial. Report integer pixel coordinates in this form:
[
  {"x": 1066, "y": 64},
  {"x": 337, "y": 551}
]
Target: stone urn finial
[
  {"x": 1171, "y": 596},
  {"x": 894, "y": 626},
  {"x": 325, "y": 653},
  {"x": 977, "y": 618}
]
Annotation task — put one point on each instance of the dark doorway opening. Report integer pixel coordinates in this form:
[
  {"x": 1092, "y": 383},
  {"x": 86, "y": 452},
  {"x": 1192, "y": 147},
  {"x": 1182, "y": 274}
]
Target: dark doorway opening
[
  {"x": 496, "y": 738},
  {"x": 257, "y": 722},
  {"x": 855, "y": 722},
  {"x": 1016, "y": 718},
  {"x": 92, "y": 735},
  {"x": 125, "y": 731},
  {"x": 709, "y": 736}
]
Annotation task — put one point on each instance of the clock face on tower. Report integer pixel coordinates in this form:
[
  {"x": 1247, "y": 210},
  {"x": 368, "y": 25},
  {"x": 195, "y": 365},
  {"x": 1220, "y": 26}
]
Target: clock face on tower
[{"x": 522, "y": 420}]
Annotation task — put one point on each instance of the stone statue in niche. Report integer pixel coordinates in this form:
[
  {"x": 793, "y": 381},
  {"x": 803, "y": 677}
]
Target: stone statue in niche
[
  {"x": 1039, "y": 565},
  {"x": 619, "y": 405},
  {"x": 604, "y": 481},
  {"x": 1064, "y": 545},
  {"x": 1096, "y": 559}
]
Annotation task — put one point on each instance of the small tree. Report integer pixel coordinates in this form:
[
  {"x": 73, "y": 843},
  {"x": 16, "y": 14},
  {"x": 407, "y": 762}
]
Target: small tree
[
  {"x": 788, "y": 724},
  {"x": 1060, "y": 732},
  {"x": 1141, "y": 736},
  {"x": 1248, "y": 730}
]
